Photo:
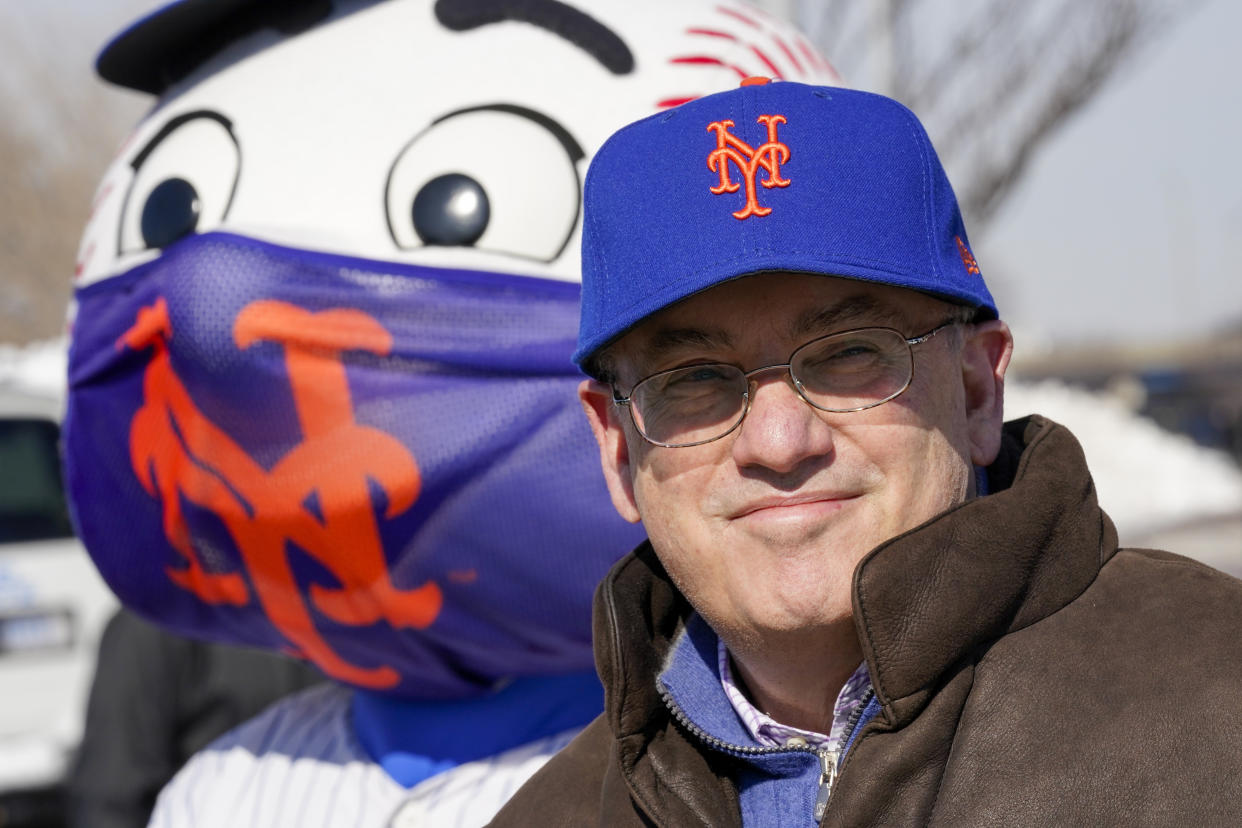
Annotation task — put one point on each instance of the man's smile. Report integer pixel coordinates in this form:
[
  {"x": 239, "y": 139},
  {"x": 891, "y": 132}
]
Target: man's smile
[{"x": 787, "y": 507}]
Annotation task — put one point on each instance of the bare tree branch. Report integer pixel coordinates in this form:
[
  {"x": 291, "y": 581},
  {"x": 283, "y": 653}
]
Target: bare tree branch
[{"x": 991, "y": 79}]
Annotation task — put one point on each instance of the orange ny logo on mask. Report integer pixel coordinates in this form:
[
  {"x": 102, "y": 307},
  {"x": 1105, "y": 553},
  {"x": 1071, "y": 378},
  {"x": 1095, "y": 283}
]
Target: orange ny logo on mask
[
  {"x": 769, "y": 156},
  {"x": 181, "y": 456}
]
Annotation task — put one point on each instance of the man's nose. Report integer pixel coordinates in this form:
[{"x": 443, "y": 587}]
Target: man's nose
[{"x": 781, "y": 430}]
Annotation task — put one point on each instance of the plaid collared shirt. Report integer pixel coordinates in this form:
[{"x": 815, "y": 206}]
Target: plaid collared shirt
[{"x": 770, "y": 732}]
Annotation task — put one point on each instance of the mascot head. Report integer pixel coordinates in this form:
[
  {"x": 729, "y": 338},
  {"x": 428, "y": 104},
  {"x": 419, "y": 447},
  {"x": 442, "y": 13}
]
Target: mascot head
[{"x": 321, "y": 398}]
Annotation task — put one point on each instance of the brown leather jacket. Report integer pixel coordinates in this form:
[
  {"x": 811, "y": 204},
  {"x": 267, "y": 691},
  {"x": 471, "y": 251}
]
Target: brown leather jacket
[{"x": 1031, "y": 673}]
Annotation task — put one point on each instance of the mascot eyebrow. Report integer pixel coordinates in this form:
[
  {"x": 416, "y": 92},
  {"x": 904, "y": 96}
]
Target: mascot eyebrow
[{"x": 575, "y": 26}]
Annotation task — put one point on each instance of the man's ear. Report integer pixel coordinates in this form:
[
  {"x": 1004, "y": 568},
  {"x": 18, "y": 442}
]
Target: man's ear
[
  {"x": 985, "y": 358},
  {"x": 614, "y": 453}
]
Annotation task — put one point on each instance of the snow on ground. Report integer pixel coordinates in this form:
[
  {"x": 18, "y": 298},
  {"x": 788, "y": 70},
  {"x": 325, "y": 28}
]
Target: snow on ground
[{"x": 1148, "y": 479}]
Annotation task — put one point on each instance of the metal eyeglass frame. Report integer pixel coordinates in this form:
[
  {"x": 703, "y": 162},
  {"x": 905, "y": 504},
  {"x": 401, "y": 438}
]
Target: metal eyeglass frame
[{"x": 626, "y": 401}]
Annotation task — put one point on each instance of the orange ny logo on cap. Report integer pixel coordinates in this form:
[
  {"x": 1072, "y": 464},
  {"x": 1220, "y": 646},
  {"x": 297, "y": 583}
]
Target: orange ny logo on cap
[{"x": 748, "y": 160}]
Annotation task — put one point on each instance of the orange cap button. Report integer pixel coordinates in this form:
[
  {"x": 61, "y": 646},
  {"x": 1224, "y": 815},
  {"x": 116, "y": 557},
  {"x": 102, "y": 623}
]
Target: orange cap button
[{"x": 755, "y": 80}]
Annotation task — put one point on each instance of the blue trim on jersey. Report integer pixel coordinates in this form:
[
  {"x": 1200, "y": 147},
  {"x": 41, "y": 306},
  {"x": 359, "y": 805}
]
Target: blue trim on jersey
[{"x": 416, "y": 740}]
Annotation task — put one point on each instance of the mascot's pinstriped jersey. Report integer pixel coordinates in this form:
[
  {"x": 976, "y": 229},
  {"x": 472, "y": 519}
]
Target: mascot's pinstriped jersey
[{"x": 320, "y": 391}]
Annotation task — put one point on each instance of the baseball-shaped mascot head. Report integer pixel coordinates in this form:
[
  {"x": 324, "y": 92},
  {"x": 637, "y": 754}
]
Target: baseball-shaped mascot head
[{"x": 321, "y": 398}]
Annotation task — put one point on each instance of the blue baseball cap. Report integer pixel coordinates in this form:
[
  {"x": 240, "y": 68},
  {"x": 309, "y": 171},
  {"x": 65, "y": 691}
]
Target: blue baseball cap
[{"x": 773, "y": 176}]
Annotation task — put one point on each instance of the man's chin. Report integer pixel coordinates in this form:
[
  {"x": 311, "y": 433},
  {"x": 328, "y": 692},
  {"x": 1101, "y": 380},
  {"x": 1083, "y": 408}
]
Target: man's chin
[{"x": 801, "y": 616}]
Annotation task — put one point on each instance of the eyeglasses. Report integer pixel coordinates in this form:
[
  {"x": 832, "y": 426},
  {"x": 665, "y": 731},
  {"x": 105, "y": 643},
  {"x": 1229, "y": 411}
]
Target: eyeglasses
[{"x": 840, "y": 373}]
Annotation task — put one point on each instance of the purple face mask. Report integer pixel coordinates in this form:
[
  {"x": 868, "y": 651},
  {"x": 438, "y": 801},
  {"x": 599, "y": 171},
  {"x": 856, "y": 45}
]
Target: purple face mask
[{"x": 380, "y": 468}]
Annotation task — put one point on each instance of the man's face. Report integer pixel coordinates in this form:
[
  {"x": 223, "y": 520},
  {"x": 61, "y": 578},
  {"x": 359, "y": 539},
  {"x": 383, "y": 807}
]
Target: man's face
[{"x": 762, "y": 529}]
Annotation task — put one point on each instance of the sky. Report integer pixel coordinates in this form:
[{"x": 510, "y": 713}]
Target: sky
[{"x": 1126, "y": 228}]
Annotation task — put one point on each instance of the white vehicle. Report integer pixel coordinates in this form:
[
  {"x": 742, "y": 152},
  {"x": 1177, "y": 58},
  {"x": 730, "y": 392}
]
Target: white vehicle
[{"x": 53, "y": 604}]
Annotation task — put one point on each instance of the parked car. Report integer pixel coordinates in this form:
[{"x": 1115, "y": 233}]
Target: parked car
[{"x": 53, "y": 604}]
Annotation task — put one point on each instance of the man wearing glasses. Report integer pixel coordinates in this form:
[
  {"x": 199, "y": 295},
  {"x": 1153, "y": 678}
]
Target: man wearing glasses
[{"x": 865, "y": 599}]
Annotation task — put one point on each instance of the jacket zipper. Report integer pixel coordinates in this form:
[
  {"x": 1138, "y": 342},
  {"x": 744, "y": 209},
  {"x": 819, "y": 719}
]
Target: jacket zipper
[
  {"x": 852, "y": 724},
  {"x": 827, "y": 778},
  {"x": 829, "y": 760},
  {"x": 721, "y": 744}
]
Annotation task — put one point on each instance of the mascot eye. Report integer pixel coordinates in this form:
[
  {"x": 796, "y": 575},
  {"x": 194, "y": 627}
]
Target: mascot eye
[
  {"x": 451, "y": 210},
  {"x": 499, "y": 178},
  {"x": 184, "y": 180},
  {"x": 171, "y": 211}
]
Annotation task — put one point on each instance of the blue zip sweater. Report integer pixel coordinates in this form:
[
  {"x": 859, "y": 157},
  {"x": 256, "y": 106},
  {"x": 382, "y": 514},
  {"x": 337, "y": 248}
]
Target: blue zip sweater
[{"x": 777, "y": 786}]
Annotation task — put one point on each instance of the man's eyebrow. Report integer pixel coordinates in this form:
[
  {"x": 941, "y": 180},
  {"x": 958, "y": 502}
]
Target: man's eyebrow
[
  {"x": 660, "y": 343},
  {"x": 848, "y": 310},
  {"x": 574, "y": 25}
]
